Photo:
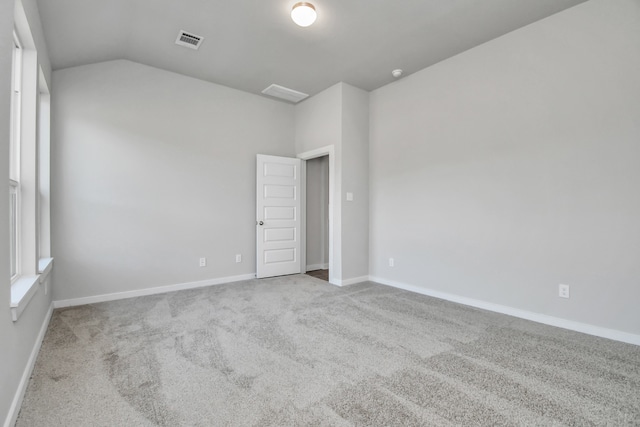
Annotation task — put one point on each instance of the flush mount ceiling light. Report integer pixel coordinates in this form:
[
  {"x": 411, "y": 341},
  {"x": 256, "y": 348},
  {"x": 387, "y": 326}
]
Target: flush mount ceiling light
[{"x": 303, "y": 14}]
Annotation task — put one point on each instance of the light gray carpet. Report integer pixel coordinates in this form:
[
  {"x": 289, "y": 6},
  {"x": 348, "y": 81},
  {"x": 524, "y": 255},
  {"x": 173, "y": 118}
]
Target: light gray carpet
[{"x": 298, "y": 351}]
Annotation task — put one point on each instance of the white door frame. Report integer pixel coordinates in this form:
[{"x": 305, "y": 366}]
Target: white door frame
[{"x": 335, "y": 269}]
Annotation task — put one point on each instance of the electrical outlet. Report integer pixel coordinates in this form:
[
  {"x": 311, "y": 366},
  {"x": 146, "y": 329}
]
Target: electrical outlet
[
  {"x": 203, "y": 262},
  {"x": 238, "y": 257},
  {"x": 392, "y": 262},
  {"x": 563, "y": 291}
]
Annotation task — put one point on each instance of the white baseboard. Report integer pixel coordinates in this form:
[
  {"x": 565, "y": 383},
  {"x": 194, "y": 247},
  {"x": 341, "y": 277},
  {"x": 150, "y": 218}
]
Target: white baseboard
[
  {"x": 314, "y": 267},
  {"x": 352, "y": 281},
  {"x": 523, "y": 314},
  {"x": 14, "y": 410},
  {"x": 150, "y": 291}
]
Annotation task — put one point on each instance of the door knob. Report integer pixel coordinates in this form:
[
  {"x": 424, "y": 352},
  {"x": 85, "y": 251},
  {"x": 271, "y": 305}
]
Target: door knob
[{"x": 260, "y": 222}]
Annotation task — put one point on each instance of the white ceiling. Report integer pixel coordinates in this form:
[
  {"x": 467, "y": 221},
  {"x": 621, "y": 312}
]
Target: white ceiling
[{"x": 250, "y": 44}]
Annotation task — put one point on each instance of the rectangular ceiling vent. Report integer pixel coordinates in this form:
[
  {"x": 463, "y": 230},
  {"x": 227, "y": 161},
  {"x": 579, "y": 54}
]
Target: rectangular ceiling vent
[
  {"x": 189, "y": 40},
  {"x": 285, "y": 93}
]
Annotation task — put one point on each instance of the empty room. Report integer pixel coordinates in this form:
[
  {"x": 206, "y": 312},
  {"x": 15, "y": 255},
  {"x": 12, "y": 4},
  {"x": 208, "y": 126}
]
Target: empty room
[{"x": 323, "y": 213}]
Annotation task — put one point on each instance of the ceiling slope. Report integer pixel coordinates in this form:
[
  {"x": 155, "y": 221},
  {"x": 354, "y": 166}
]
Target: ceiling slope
[{"x": 250, "y": 44}]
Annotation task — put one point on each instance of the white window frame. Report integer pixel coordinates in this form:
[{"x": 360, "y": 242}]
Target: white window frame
[
  {"x": 14, "y": 238},
  {"x": 29, "y": 175},
  {"x": 43, "y": 230},
  {"x": 14, "y": 169}
]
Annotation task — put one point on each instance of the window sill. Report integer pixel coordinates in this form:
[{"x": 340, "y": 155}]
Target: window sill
[
  {"x": 44, "y": 268},
  {"x": 21, "y": 293},
  {"x": 26, "y": 287}
]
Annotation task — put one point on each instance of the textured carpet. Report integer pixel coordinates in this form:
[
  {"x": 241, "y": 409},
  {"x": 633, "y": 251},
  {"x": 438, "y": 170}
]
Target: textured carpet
[{"x": 298, "y": 351}]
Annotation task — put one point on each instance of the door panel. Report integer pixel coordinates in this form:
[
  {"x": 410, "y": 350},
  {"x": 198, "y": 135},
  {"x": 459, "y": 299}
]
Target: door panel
[
  {"x": 279, "y": 192},
  {"x": 278, "y": 181},
  {"x": 281, "y": 213},
  {"x": 280, "y": 235},
  {"x": 278, "y": 256}
]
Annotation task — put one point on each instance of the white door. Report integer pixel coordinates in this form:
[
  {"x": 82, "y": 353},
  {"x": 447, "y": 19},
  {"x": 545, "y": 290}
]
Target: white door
[{"x": 278, "y": 221}]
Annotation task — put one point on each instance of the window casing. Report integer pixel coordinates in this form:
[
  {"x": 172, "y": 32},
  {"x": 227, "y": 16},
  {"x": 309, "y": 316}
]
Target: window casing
[
  {"x": 13, "y": 220},
  {"x": 44, "y": 172},
  {"x": 14, "y": 162},
  {"x": 30, "y": 254}
]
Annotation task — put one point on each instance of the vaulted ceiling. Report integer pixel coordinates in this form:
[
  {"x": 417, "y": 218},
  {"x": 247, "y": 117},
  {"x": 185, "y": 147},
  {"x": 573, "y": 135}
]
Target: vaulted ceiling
[{"x": 250, "y": 44}]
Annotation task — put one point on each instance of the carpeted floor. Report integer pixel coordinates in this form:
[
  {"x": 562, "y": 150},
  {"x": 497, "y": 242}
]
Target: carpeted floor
[{"x": 297, "y": 351}]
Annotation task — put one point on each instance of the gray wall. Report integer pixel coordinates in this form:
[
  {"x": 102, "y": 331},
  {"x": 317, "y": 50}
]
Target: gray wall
[
  {"x": 355, "y": 179},
  {"x": 18, "y": 338},
  {"x": 513, "y": 167},
  {"x": 317, "y": 212},
  {"x": 151, "y": 171},
  {"x": 318, "y": 120},
  {"x": 318, "y": 123},
  {"x": 339, "y": 116},
  {"x": 10, "y": 365}
]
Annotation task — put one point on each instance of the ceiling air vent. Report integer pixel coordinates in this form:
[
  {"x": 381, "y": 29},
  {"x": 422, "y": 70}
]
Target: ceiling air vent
[
  {"x": 285, "y": 93},
  {"x": 189, "y": 40}
]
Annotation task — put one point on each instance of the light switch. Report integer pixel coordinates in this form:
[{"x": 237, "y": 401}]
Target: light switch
[{"x": 349, "y": 197}]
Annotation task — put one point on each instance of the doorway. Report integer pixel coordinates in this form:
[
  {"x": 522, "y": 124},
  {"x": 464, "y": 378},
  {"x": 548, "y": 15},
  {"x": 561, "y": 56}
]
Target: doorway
[
  {"x": 335, "y": 221},
  {"x": 317, "y": 217},
  {"x": 281, "y": 215}
]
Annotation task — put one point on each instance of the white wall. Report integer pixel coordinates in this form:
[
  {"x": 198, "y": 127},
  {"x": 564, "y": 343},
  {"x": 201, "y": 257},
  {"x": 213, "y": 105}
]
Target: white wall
[
  {"x": 513, "y": 167},
  {"x": 338, "y": 116},
  {"x": 318, "y": 123},
  {"x": 151, "y": 171},
  {"x": 9, "y": 366},
  {"x": 355, "y": 180},
  {"x": 18, "y": 338},
  {"x": 318, "y": 120},
  {"x": 317, "y": 212}
]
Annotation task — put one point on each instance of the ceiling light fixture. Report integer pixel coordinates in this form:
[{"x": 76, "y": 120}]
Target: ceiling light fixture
[{"x": 303, "y": 14}]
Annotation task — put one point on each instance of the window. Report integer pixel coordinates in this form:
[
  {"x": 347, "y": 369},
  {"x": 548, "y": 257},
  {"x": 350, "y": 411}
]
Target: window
[
  {"x": 30, "y": 254},
  {"x": 14, "y": 155}
]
